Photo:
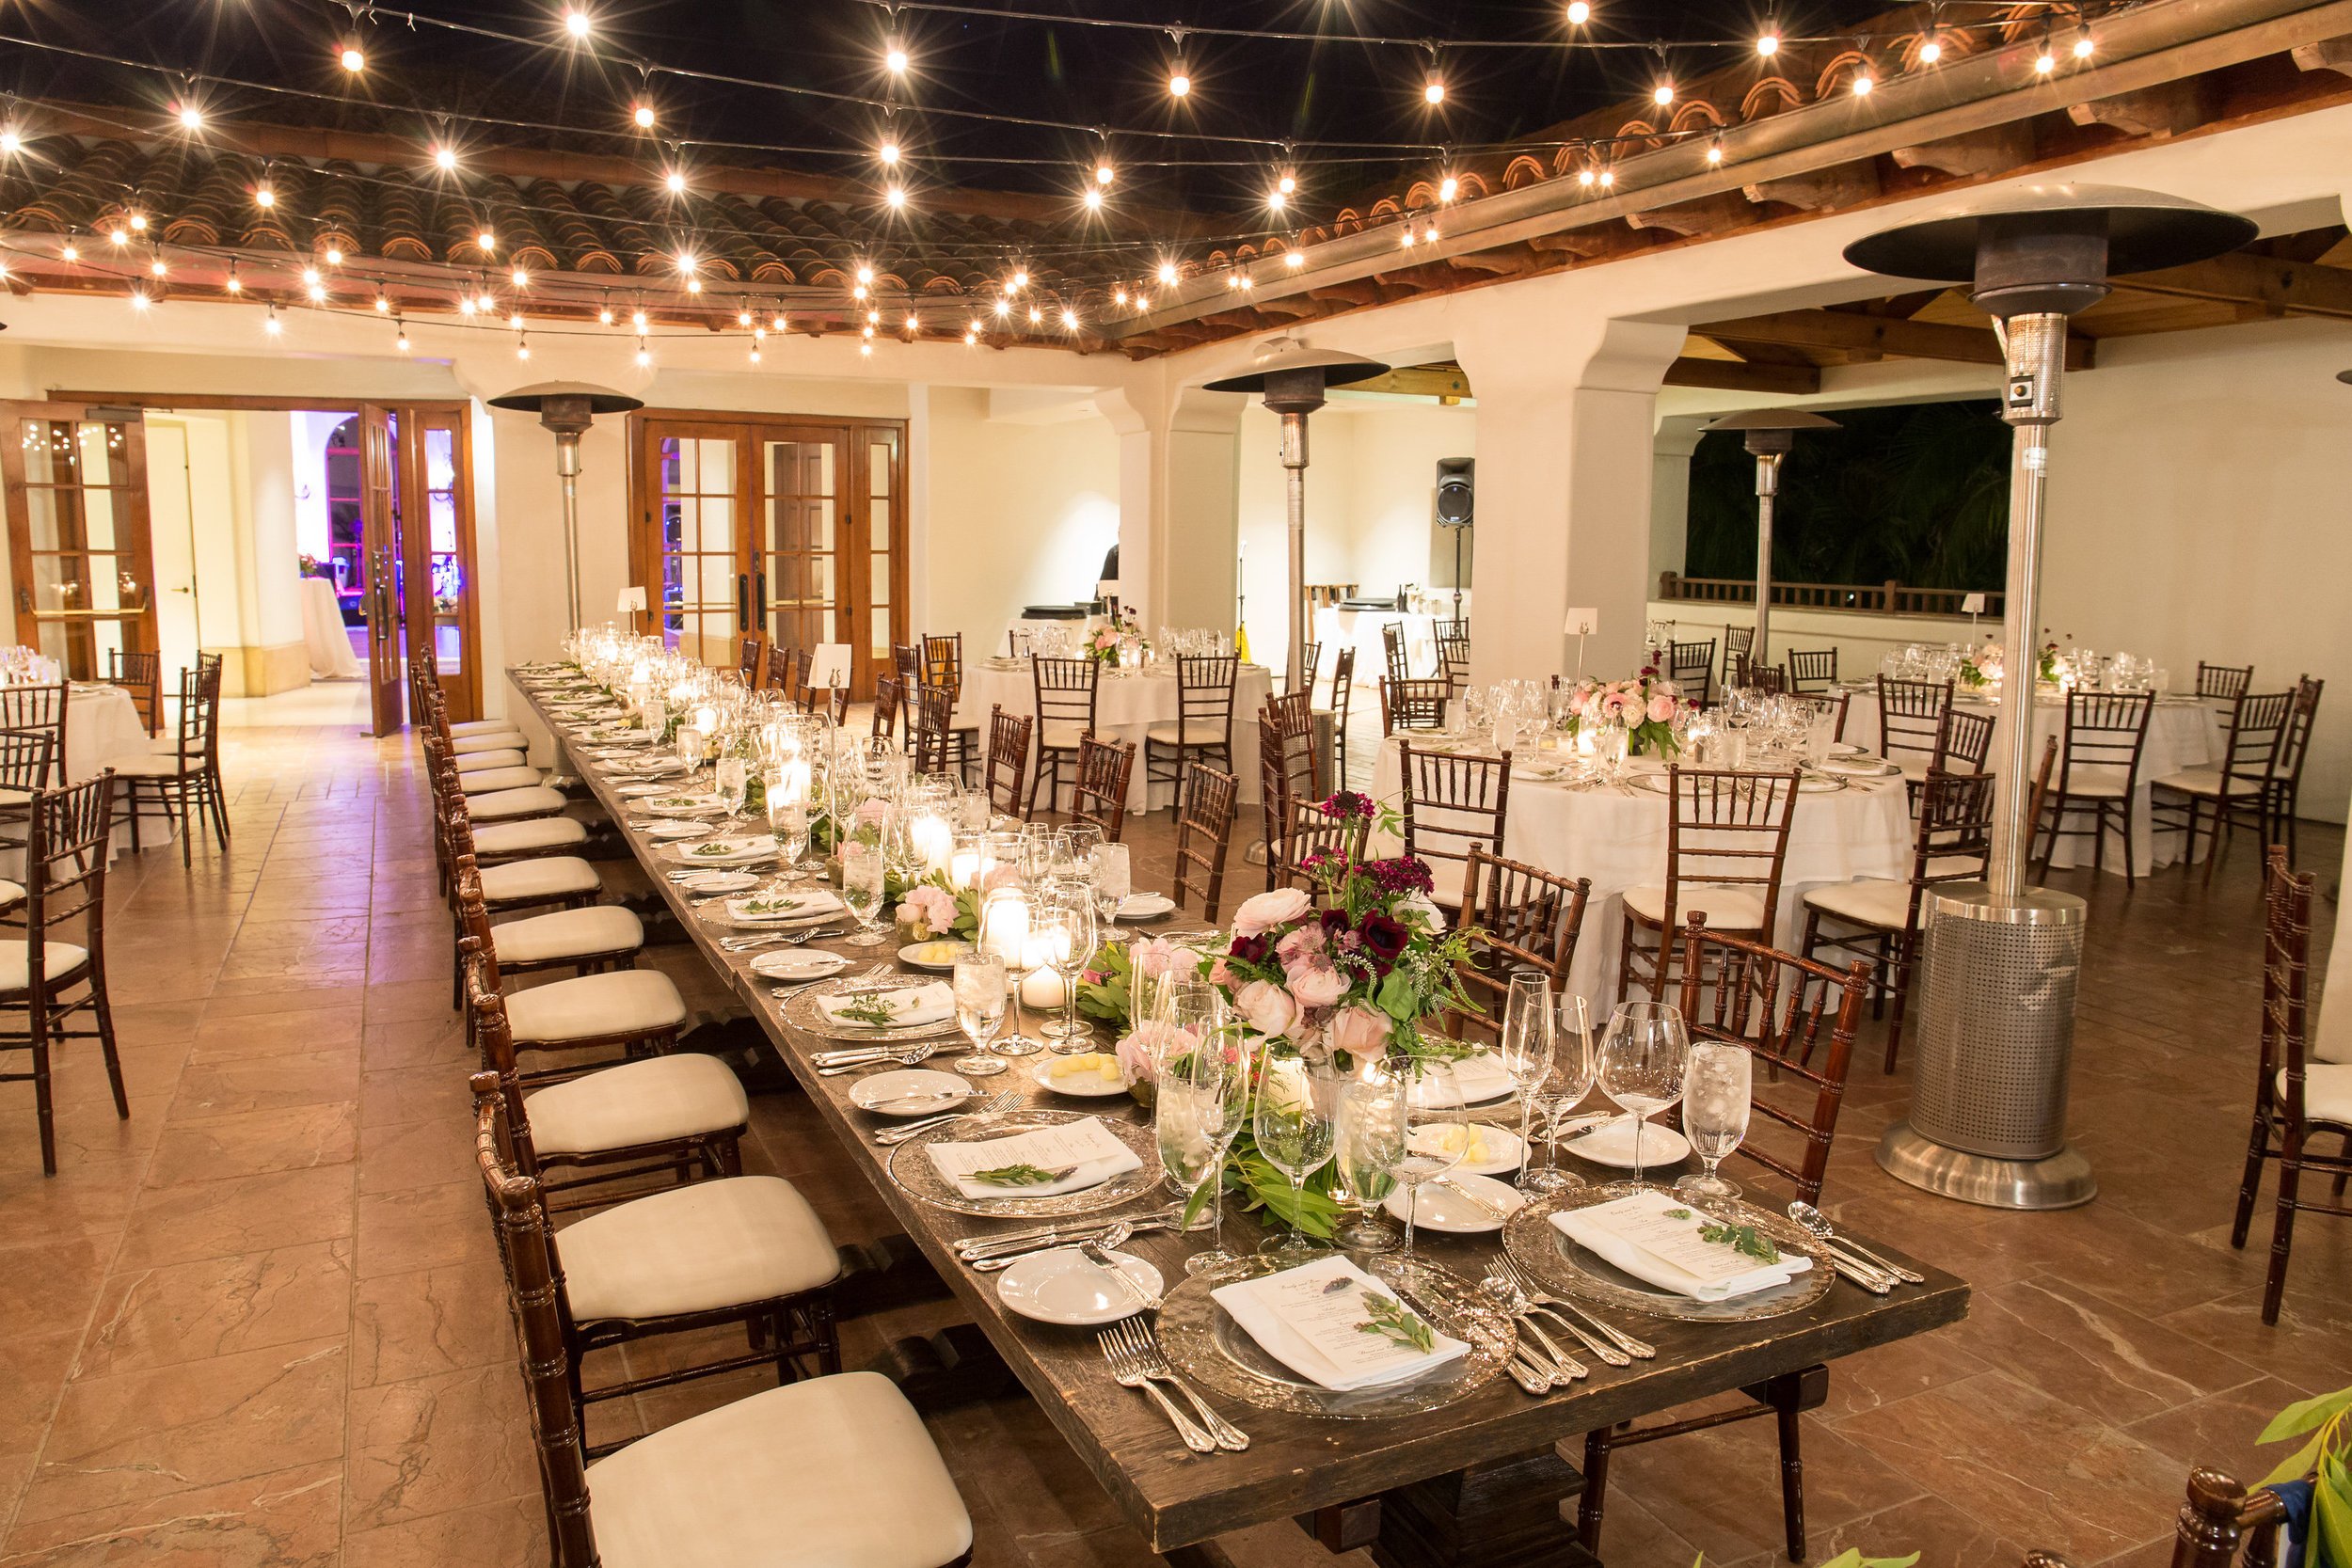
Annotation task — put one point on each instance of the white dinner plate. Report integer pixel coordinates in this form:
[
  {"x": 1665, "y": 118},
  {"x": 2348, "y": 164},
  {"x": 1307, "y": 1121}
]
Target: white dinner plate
[
  {"x": 1541, "y": 772},
  {"x": 1502, "y": 1145},
  {"x": 718, "y": 881},
  {"x": 666, "y": 832},
  {"x": 939, "y": 955},
  {"x": 799, "y": 965},
  {"x": 1080, "y": 1085},
  {"x": 1459, "y": 1205},
  {"x": 1861, "y": 766},
  {"x": 912, "y": 1092},
  {"x": 1060, "y": 1286},
  {"x": 642, "y": 791},
  {"x": 656, "y": 768},
  {"x": 1612, "y": 1144},
  {"x": 1845, "y": 749},
  {"x": 1146, "y": 905}
]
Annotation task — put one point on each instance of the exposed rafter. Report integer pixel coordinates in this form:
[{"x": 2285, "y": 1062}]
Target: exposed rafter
[{"x": 1852, "y": 332}]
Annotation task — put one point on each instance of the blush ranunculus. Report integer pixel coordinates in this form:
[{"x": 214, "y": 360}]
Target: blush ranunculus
[
  {"x": 1359, "y": 1031},
  {"x": 1317, "y": 985},
  {"x": 1262, "y": 911},
  {"x": 1661, "y": 709},
  {"x": 1266, "y": 1007}
]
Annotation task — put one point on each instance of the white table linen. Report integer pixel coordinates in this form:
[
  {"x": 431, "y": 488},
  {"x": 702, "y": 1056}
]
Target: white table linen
[
  {"x": 102, "y": 723},
  {"x": 331, "y": 659},
  {"x": 1337, "y": 628},
  {"x": 1616, "y": 837},
  {"x": 1125, "y": 706},
  {"x": 2180, "y": 735}
]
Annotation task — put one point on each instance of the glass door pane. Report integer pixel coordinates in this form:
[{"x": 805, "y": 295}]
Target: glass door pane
[
  {"x": 696, "y": 510},
  {"x": 804, "y": 540},
  {"x": 78, "y": 528},
  {"x": 435, "y": 545}
]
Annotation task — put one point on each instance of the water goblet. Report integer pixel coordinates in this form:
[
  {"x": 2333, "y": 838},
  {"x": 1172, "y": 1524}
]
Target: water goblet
[
  {"x": 979, "y": 986},
  {"x": 1717, "y": 1095},
  {"x": 1005, "y": 932},
  {"x": 863, "y": 876},
  {"x": 1201, "y": 1101},
  {"x": 1065, "y": 925},
  {"x": 1524, "y": 1048},
  {"x": 1574, "y": 1062},
  {"x": 1438, "y": 1137},
  {"x": 1367, "y": 1143},
  {"x": 1292, "y": 1123},
  {"x": 1643, "y": 1058},
  {"x": 1113, "y": 882}
]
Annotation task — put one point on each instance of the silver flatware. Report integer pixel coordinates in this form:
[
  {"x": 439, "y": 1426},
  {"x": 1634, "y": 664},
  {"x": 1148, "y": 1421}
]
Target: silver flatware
[
  {"x": 1097, "y": 1251},
  {"x": 1558, "y": 1365},
  {"x": 890, "y": 1137},
  {"x": 1491, "y": 1210},
  {"x": 972, "y": 1247},
  {"x": 1145, "y": 1344},
  {"x": 904, "y": 1056},
  {"x": 1641, "y": 1350},
  {"x": 1539, "y": 1302},
  {"x": 1127, "y": 1374},
  {"x": 1855, "y": 1272},
  {"x": 1816, "y": 1224}
]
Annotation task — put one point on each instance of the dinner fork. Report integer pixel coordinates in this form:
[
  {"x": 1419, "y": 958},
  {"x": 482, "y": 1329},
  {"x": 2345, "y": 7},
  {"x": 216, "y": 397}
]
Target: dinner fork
[
  {"x": 892, "y": 1136},
  {"x": 1619, "y": 1349},
  {"x": 1554, "y": 1363},
  {"x": 1128, "y": 1373},
  {"x": 902, "y": 1055},
  {"x": 1145, "y": 1346}
]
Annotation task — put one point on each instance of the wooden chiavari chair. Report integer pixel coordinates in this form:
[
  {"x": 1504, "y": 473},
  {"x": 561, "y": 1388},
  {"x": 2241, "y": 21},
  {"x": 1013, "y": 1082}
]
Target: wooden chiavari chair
[
  {"x": 1812, "y": 671},
  {"x": 497, "y": 843},
  {"x": 185, "y": 779},
  {"x": 750, "y": 659},
  {"x": 1311, "y": 837},
  {"x": 1450, "y": 805},
  {"x": 1413, "y": 706},
  {"x": 1519, "y": 917},
  {"x": 2222, "y": 1525},
  {"x": 586, "y": 938},
  {"x": 906, "y": 663},
  {"x": 545, "y": 881},
  {"x": 1737, "y": 642},
  {"x": 34, "y": 710},
  {"x": 2286, "y": 774},
  {"x": 1832, "y": 708},
  {"x": 942, "y": 665},
  {"x": 1287, "y": 771},
  {"x": 886, "y": 717},
  {"x": 1343, "y": 704},
  {"x": 1910, "y": 723},
  {"x": 1065, "y": 693},
  {"x": 776, "y": 675},
  {"x": 1880, "y": 919},
  {"x": 1726, "y": 842},
  {"x": 1393, "y": 657},
  {"x": 1692, "y": 666},
  {"x": 2233, "y": 790},
  {"x": 65, "y": 848},
  {"x": 2298, "y": 1095},
  {"x": 803, "y": 665},
  {"x": 1309, "y": 665},
  {"x": 1204, "y": 824},
  {"x": 1769, "y": 679},
  {"x": 1442, "y": 627},
  {"x": 142, "y": 676},
  {"x": 1098, "y": 784},
  {"x": 1966, "y": 741},
  {"x": 1774, "y": 1003},
  {"x": 931, "y": 732},
  {"x": 2099, "y": 773},
  {"x": 1203, "y": 730},
  {"x": 1453, "y": 657},
  {"x": 638, "y": 1010},
  {"x": 1007, "y": 761},
  {"x": 838, "y": 1465},
  {"x": 2223, "y": 684}
]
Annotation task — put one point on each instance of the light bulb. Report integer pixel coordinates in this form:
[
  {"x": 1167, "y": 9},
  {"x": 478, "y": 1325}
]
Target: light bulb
[
  {"x": 1663, "y": 93},
  {"x": 318, "y": 294},
  {"x": 1094, "y": 198},
  {"x": 11, "y": 142},
  {"x": 1277, "y": 200},
  {"x": 865, "y": 351},
  {"x": 896, "y": 61},
  {"x": 645, "y": 356},
  {"x": 119, "y": 237},
  {"x": 867, "y": 331},
  {"x": 2083, "y": 47},
  {"x": 576, "y": 23},
  {"x": 1434, "y": 92},
  {"x": 674, "y": 181},
  {"x": 1769, "y": 45},
  {"x": 913, "y": 325},
  {"x": 383, "y": 306},
  {"x": 1286, "y": 185},
  {"x": 465, "y": 306},
  {"x": 693, "y": 285},
  {"x": 755, "y": 353},
  {"x": 400, "y": 343},
  {"x": 139, "y": 222},
  {"x": 2043, "y": 64},
  {"x": 522, "y": 349},
  {"x": 896, "y": 196},
  {"x": 486, "y": 240},
  {"x": 1931, "y": 52},
  {"x": 140, "y": 300},
  {"x": 1104, "y": 174},
  {"x": 488, "y": 301},
  {"x": 1294, "y": 257},
  {"x": 777, "y": 324},
  {"x": 310, "y": 275},
  {"x": 1168, "y": 273},
  {"x": 1179, "y": 84},
  {"x": 1070, "y": 321},
  {"x": 444, "y": 158},
  {"x": 271, "y": 324},
  {"x": 742, "y": 318},
  {"x": 638, "y": 320},
  {"x": 1036, "y": 315},
  {"x": 156, "y": 266},
  {"x": 1404, "y": 241},
  {"x": 1448, "y": 188},
  {"x": 1019, "y": 277},
  {"x": 686, "y": 260},
  {"x": 873, "y": 318},
  {"x": 73, "y": 253},
  {"x": 191, "y": 117},
  {"x": 1578, "y": 13},
  {"x": 515, "y": 321},
  {"x": 642, "y": 115},
  {"x": 353, "y": 60},
  {"x": 1715, "y": 151},
  {"x": 604, "y": 317},
  {"x": 1862, "y": 85},
  {"x": 858, "y": 293},
  {"x": 1004, "y": 308},
  {"x": 522, "y": 279},
  {"x": 1431, "y": 236},
  {"x": 334, "y": 256},
  {"x": 1584, "y": 177},
  {"x": 757, "y": 333},
  {"x": 971, "y": 336},
  {"x": 864, "y": 271},
  {"x": 890, "y": 152},
  {"x": 265, "y": 196},
  {"x": 1608, "y": 177}
]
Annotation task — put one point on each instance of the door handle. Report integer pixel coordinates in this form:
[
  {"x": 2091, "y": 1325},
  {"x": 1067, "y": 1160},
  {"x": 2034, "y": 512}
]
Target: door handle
[
  {"x": 742, "y": 601},
  {"x": 759, "y": 597}
]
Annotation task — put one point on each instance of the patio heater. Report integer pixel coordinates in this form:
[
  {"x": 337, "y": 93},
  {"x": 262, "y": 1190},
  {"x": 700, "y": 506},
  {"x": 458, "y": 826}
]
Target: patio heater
[
  {"x": 1996, "y": 985},
  {"x": 1291, "y": 378},
  {"x": 568, "y": 409},
  {"x": 1771, "y": 432}
]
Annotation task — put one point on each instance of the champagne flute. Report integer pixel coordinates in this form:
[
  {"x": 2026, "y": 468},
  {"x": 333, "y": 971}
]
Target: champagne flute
[
  {"x": 1573, "y": 1064},
  {"x": 864, "y": 875},
  {"x": 1717, "y": 1095},
  {"x": 1643, "y": 1059},
  {"x": 1367, "y": 1142},
  {"x": 979, "y": 987},
  {"x": 1437, "y": 1138},
  {"x": 1292, "y": 1122},
  {"x": 1005, "y": 932},
  {"x": 1113, "y": 882},
  {"x": 1525, "y": 1049},
  {"x": 1066, "y": 926}
]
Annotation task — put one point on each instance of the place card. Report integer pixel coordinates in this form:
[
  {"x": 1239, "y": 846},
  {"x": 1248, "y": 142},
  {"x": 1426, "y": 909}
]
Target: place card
[
  {"x": 1336, "y": 1325},
  {"x": 1038, "y": 1163}
]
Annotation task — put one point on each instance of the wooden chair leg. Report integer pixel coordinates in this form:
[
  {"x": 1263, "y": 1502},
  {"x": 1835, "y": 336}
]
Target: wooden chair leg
[
  {"x": 1590, "y": 1501},
  {"x": 2283, "y": 1229},
  {"x": 44, "y": 1106},
  {"x": 2131, "y": 860},
  {"x": 1906, "y": 948},
  {"x": 1786, "y": 1418},
  {"x": 104, "y": 1016},
  {"x": 187, "y": 828}
]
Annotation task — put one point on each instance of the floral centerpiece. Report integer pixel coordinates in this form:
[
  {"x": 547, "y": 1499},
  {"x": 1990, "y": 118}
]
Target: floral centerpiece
[
  {"x": 1109, "y": 643},
  {"x": 1981, "y": 666},
  {"x": 2052, "y": 657},
  {"x": 1648, "y": 708}
]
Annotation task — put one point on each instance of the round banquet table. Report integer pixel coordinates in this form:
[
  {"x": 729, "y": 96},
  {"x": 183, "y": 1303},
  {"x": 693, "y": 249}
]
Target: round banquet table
[
  {"x": 2183, "y": 731},
  {"x": 1125, "y": 706},
  {"x": 102, "y": 723},
  {"x": 1615, "y": 836},
  {"x": 1339, "y": 627},
  {"x": 323, "y": 633}
]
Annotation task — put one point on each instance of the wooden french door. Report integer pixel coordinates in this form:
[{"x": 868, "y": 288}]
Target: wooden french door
[
  {"x": 78, "y": 545},
  {"x": 380, "y": 589},
  {"x": 433, "y": 517},
  {"x": 796, "y": 527}
]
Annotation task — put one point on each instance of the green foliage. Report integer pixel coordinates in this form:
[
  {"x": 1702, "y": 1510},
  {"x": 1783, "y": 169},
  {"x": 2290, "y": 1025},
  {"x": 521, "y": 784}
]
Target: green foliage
[
  {"x": 1916, "y": 494},
  {"x": 1394, "y": 1321},
  {"x": 2322, "y": 1417}
]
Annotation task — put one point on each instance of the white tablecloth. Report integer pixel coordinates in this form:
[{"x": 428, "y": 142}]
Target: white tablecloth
[
  {"x": 2181, "y": 734},
  {"x": 331, "y": 659},
  {"x": 101, "y": 725},
  {"x": 1125, "y": 706},
  {"x": 1337, "y": 628},
  {"x": 1616, "y": 837}
]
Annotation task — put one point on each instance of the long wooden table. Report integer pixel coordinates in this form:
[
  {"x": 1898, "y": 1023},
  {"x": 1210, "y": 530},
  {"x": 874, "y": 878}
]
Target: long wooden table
[{"x": 1475, "y": 1480}]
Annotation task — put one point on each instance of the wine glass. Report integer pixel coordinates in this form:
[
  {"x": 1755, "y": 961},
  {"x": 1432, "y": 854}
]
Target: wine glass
[
  {"x": 1717, "y": 1095},
  {"x": 1643, "y": 1058},
  {"x": 1525, "y": 1049},
  {"x": 1201, "y": 1101},
  {"x": 1573, "y": 1064},
  {"x": 1367, "y": 1142},
  {"x": 1065, "y": 927},
  {"x": 788, "y": 825},
  {"x": 1438, "y": 1137},
  {"x": 863, "y": 876},
  {"x": 1292, "y": 1122},
  {"x": 1004, "y": 931},
  {"x": 731, "y": 780},
  {"x": 979, "y": 987},
  {"x": 1113, "y": 882}
]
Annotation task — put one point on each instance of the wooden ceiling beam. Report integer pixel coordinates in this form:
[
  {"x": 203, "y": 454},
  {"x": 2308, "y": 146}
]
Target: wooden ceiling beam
[
  {"x": 2166, "y": 109},
  {"x": 1727, "y": 376},
  {"x": 2275, "y": 286},
  {"x": 1418, "y": 381},
  {"x": 1820, "y": 190},
  {"x": 1709, "y": 214},
  {"x": 2326, "y": 54},
  {"x": 1993, "y": 151},
  {"x": 1847, "y": 332}
]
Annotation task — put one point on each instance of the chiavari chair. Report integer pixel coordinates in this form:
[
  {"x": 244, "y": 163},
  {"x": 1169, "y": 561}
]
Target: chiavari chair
[
  {"x": 1008, "y": 760},
  {"x": 1393, "y": 657},
  {"x": 2223, "y": 684},
  {"x": 906, "y": 663},
  {"x": 2286, "y": 773},
  {"x": 638, "y": 1010},
  {"x": 492, "y": 744},
  {"x": 803, "y": 665},
  {"x": 1832, "y": 706},
  {"x": 1314, "y": 843},
  {"x": 26, "y": 760},
  {"x": 1065, "y": 693},
  {"x": 185, "y": 779},
  {"x": 584, "y": 938},
  {"x": 142, "y": 676},
  {"x": 2099, "y": 773},
  {"x": 516, "y": 804},
  {"x": 1413, "y": 704},
  {"x": 1966, "y": 741},
  {"x": 1518, "y": 918},
  {"x": 1726, "y": 842},
  {"x": 1450, "y": 805},
  {"x": 1460, "y": 628},
  {"x": 1204, "y": 822},
  {"x": 684, "y": 1114},
  {"x": 2222, "y": 1525},
  {"x": 1343, "y": 704},
  {"x": 942, "y": 665},
  {"x": 56, "y": 986},
  {"x": 829, "y": 1470},
  {"x": 2233, "y": 790},
  {"x": 1309, "y": 664},
  {"x": 750, "y": 659},
  {"x": 1454, "y": 660},
  {"x": 1911, "y": 723},
  {"x": 2300, "y": 1094},
  {"x": 1288, "y": 769},
  {"x": 495, "y": 843},
  {"x": 1203, "y": 730},
  {"x": 1098, "y": 784},
  {"x": 1775, "y": 1005},
  {"x": 1692, "y": 666},
  {"x": 1880, "y": 919},
  {"x": 931, "y": 730},
  {"x": 540, "y": 880},
  {"x": 425, "y": 692},
  {"x": 886, "y": 717},
  {"x": 1737, "y": 642},
  {"x": 1812, "y": 671},
  {"x": 1769, "y": 679},
  {"x": 32, "y": 709}
]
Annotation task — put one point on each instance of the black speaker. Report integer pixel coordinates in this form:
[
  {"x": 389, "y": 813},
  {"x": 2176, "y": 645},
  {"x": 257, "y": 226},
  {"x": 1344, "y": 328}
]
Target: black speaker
[{"x": 1454, "y": 491}]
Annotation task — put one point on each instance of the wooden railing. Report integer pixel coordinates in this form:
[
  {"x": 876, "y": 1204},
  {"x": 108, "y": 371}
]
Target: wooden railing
[{"x": 1865, "y": 598}]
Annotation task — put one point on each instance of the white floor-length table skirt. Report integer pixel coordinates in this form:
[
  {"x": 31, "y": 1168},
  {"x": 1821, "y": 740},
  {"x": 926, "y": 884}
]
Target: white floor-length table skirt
[
  {"x": 2183, "y": 731},
  {"x": 323, "y": 633},
  {"x": 1337, "y": 628},
  {"x": 103, "y": 725},
  {"x": 1617, "y": 838},
  {"x": 1126, "y": 707}
]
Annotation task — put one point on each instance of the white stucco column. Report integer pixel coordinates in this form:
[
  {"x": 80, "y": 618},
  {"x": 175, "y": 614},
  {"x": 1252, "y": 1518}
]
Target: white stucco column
[
  {"x": 1567, "y": 417},
  {"x": 1670, "y": 495},
  {"x": 1179, "y": 504}
]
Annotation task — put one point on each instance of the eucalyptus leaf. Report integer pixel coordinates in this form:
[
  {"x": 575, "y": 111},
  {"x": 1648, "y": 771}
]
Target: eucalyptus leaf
[
  {"x": 2305, "y": 1416},
  {"x": 2299, "y": 1465}
]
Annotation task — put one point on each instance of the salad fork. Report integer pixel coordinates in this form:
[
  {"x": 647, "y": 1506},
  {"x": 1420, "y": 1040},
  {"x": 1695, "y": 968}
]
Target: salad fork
[
  {"x": 1556, "y": 1363},
  {"x": 892, "y": 1136},
  {"x": 1145, "y": 1346},
  {"x": 1616, "y": 1349},
  {"x": 1128, "y": 1373}
]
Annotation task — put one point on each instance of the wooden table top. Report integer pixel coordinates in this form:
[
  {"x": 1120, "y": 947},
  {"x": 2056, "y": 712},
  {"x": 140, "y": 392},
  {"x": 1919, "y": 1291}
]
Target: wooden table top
[{"x": 1295, "y": 1464}]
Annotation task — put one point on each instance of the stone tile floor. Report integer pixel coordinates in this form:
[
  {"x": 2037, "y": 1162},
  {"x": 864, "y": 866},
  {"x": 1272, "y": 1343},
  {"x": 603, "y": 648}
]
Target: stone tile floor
[{"x": 260, "y": 1325}]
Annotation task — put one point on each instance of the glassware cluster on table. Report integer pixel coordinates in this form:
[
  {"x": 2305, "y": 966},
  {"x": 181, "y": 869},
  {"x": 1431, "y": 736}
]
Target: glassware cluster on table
[
  {"x": 23, "y": 666},
  {"x": 1074, "y": 639}
]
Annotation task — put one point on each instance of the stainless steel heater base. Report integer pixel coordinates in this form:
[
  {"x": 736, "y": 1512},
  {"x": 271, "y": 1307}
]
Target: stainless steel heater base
[{"x": 2063, "y": 1181}]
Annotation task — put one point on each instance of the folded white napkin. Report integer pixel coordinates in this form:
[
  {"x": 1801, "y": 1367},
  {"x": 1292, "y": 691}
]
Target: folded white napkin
[
  {"x": 786, "y": 909},
  {"x": 1867, "y": 765},
  {"x": 1475, "y": 1079},
  {"x": 1653, "y": 1236},
  {"x": 1310, "y": 1319},
  {"x": 1089, "y": 1152},
  {"x": 915, "y": 1004}
]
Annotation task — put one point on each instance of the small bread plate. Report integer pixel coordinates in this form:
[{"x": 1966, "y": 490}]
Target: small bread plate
[
  {"x": 1088, "y": 1075},
  {"x": 799, "y": 965},
  {"x": 670, "y": 831},
  {"x": 912, "y": 1092},
  {"x": 724, "y": 851},
  {"x": 939, "y": 955},
  {"x": 1497, "y": 1149},
  {"x": 1063, "y": 1285},
  {"x": 1146, "y": 905},
  {"x": 1459, "y": 1205},
  {"x": 1612, "y": 1144},
  {"x": 717, "y": 881}
]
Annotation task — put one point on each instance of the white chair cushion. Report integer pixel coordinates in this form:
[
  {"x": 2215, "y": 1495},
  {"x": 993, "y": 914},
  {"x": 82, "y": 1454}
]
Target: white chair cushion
[
  {"x": 506, "y": 805},
  {"x": 1177, "y": 734},
  {"x": 2207, "y": 782},
  {"x": 541, "y": 877},
  {"x": 1868, "y": 902},
  {"x": 491, "y": 779},
  {"x": 57, "y": 959},
  {"x": 521, "y": 838},
  {"x": 649, "y": 1101},
  {"x": 483, "y": 726},
  {"x": 1915, "y": 767},
  {"x": 2327, "y": 1091},
  {"x": 1060, "y": 737},
  {"x": 591, "y": 1006},
  {"x": 478, "y": 762},
  {"x": 695, "y": 1249},
  {"x": 1941, "y": 866},
  {"x": 2095, "y": 783},
  {"x": 143, "y": 765},
  {"x": 11, "y": 895},
  {"x": 1727, "y": 908},
  {"x": 490, "y": 740},
  {"x": 568, "y": 934},
  {"x": 836, "y": 1472}
]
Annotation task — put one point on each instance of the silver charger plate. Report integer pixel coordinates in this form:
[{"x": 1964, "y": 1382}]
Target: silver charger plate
[
  {"x": 914, "y": 1175},
  {"x": 801, "y": 1013},
  {"x": 1561, "y": 1265},
  {"x": 1205, "y": 1342}
]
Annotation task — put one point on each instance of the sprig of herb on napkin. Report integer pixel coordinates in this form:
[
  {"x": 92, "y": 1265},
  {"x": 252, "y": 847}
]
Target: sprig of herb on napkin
[
  {"x": 878, "y": 1012},
  {"x": 1390, "y": 1318},
  {"x": 714, "y": 848},
  {"x": 1020, "y": 1176},
  {"x": 1745, "y": 1239}
]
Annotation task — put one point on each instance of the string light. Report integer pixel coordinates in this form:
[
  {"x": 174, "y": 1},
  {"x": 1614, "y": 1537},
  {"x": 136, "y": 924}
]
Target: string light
[
  {"x": 486, "y": 241},
  {"x": 873, "y": 318},
  {"x": 521, "y": 278},
  {"x": 2045, "y": 62},
  {"x": 318, "y": 294},
  {"x": 1037, "y": 316},
  {"x": 1020, "y": 279},
  {"x": 778, "y": 323},
  {"x": 11, "y": 143},
  {"x": 1608, "y": 179},
  {"x": 383, "y": 305},
  {"x": 642, "y": 115},
  {"x": 890, "y": 154},
  {"x": 1294, "y": 257},
  {"x": 743, "y": 317},
  {"x": 896, "y": 196},
  {"x": 71, "y": 252},
  {"x": 1433, "y": 92},
  {"x": 522, "y": 346},
  {"x": 118, "y": 236},
  {"x": 334, "y": 256},
  {"x": 191, "y": 117},
  {"x": 913, "y": 325},
  {"x": 1004, "y": 306},
  {"x": 1070, "y": 321},
  {"x": 755, "y": 351},
  {"x": 1104, "y": 174},
  {"x": 1448, "y": 188},
  {"x": 1179, "y": 84},
  {"x": 400, "y": 339},
  {"x": 139, "y": 222},
  {"x": 445, "y": 158},
  {"x": 352, "y": 59},
  {"x": 638, "y": 320},
  {"x": 488, "y": 302},
  {"x": 674, "y": 181},
  {"x": 1094, "y": 198},
  {"x": 271, "y": 324},
  {"x": 140, "y": 301},
  {"x": 865, "y": 351},
  {"x": 604, "y": 316},
  {"x": 895, "y": 60},
  {"x": 576, "y": 23},
  {"x": 1768, "y": 43},
  {"x": 265, "y": 196},
  {"x": 310, "y": 275},
  {"x": 1578, "y": 13},
  {"x": 156, "y": 266},
  {"x": 235, "y": 284},
  {"x": 1662, "y": 94},
  {"x": 1118, "y": 296},
  {"x": 1168, "y": 274},
  {"x": 515, "y": 321},
  {"x": 2083, "y": 46},
  {"x": 1584, "y": 177},
  {"x": 466, "y": 306},
  {"x": 972, "y": 334},
  {"x": 1715, "y": 148},
  {"x": 644, "y": 355},
  {"x": 1931, "y": 51}
]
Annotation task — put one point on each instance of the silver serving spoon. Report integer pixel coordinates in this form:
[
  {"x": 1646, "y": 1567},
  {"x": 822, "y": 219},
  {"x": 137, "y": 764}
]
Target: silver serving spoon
[{"x": 1816, "y": 1224}]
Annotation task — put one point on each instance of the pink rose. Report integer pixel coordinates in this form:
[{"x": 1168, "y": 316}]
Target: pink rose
[
  {"x": 1141, "y": 1051},
  {"x": 1261, "y": 912},
  {"x": 870, "y": 812},
  {"x": 1316, "y": 984},
  {"x": 1221, "y": 975},
  {"x": 1000, "y": 876},
  {"x": 1266, "y": 1007},
  {"x": 1304, "y": 946},
  {"x": 1661, "y": 710},
  {"x": 936, "y": 907},
  {"x": 1361, "y": 1031}
]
